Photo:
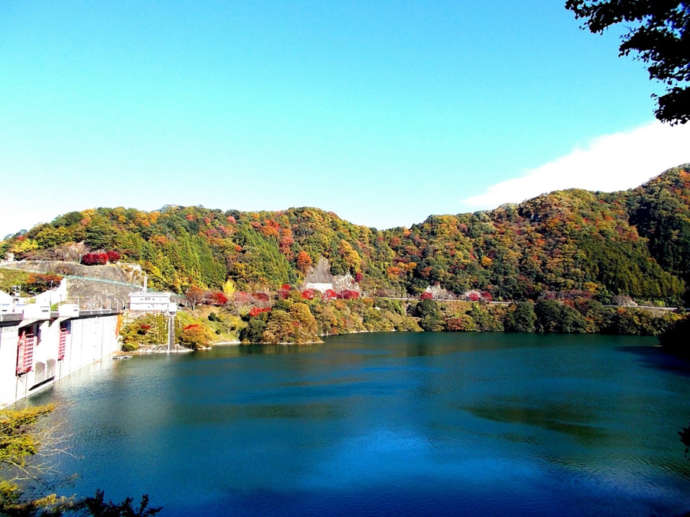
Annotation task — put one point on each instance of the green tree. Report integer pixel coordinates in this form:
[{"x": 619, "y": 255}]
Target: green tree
[
  {"x": 557, "y": 317},
  {"x": 254, "y": 331},
  {"x": 429, "y": 314},
  {"x": 658, "y": 35},
  {"x": 521, "y": 319},
  {"x": 99, "y": 233}
]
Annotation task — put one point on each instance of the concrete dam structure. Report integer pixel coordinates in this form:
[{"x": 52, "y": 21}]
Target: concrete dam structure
[{"x": 40, "y": 346}]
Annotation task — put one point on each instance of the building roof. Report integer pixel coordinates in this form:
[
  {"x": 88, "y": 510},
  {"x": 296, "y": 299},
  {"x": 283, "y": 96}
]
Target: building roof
[{"x": 151, "y": 293}]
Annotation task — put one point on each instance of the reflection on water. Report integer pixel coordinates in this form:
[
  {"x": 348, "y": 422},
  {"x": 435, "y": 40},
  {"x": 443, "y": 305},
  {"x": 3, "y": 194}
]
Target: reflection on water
[
  {"x": 653, "y": 357},
  {"x": 551, "y": 417},
  {"x": 392, "y": 424}
]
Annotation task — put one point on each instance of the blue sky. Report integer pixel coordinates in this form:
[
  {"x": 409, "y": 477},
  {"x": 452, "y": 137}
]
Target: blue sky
[{"x": 382, "y": 111}]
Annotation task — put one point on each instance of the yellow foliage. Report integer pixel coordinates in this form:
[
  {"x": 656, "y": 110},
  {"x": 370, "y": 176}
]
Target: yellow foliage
[
  {"x": 590, "y": 286},
  {"x": 24, "y": 245},
  {"x": 229, "y": 287},
  {"x": 350, "y": 255}
]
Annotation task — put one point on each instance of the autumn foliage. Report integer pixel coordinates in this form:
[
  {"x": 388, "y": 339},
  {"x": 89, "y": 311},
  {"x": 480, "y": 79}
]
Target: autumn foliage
[
  {"x": 284, "y": 291},
  {"x": 627, "y": 243},
  {"x": 303, "y": 261},
  {"x": 91, "y": 259},
  {"x": 113, "y": 256},
  {"x": 255, "y": 311},
  {"x": 260, "y": 297},
  {"x": 218, "y": 298},
  {"x": 307, "y": 294}
]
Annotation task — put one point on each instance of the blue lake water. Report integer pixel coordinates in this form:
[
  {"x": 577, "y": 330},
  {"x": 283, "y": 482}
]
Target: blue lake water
[{"x": 387, "y": 424}]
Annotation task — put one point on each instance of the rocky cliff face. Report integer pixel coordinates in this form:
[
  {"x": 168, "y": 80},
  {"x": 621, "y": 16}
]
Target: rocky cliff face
[{"x": 320, "y": 275}]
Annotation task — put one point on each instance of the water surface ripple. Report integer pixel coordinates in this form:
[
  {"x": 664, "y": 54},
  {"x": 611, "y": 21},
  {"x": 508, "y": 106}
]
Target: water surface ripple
[{"x": 388, "y": 424}]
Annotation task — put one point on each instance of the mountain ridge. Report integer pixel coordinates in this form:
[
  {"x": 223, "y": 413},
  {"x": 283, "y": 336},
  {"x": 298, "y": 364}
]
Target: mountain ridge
[{"x": 634, "y": 242}]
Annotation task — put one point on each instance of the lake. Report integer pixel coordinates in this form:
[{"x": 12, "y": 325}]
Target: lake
[{"x": 387, "y": 424}]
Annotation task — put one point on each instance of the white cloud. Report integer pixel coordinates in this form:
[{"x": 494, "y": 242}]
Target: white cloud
[{"x": 607, "y": 163}]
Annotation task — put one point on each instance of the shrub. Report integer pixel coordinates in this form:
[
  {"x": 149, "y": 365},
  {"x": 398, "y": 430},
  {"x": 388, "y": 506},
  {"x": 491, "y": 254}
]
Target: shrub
[
  {"x": 255, "y": 311},
  {"x": 348, "y": 294},
  {"x": 218, "y": 298},
  {"x": 91, "y": 259},
  {"x": 253, "y": 332},
  {"x": 113, "y": 256},
  {"x": 194, "y": 336},
  {"x": 150, "y": 329},
  {"x": 463, "y": 323},
  {"x": 429, "y": 316}
]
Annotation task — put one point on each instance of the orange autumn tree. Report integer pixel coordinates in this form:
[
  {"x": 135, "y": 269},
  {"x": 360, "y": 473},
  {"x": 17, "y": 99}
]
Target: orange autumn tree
[
  {"x": 303, "y": 261},
  {"x": 195, "y": 295}
]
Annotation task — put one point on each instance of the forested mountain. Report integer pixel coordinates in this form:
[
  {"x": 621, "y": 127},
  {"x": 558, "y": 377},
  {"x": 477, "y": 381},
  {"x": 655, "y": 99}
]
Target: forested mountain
[{"x": 635, "y": 242}]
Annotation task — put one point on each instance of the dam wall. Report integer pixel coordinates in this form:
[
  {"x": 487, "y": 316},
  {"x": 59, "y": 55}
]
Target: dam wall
[{"x": 37, "y": 350}]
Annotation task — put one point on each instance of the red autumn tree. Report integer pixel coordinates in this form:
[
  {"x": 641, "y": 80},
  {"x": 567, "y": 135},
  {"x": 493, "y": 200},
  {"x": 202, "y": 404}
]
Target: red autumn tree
[
  {"x": 255, "y": 311},
  {"x": 113, "y": 256},
  {"x": 218, "y": 298},
  {"x": 284, "y": 291}
]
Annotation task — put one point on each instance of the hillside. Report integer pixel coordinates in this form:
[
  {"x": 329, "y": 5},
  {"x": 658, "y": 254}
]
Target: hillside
[{"x": 634, "y": 242}]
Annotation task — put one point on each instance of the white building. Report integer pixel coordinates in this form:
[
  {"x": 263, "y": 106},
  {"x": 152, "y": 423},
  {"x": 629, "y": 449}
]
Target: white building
[
  {"x": 147, "y": 301},
  {"x": 322, "y": 287},
  {"x": 6, "y": 303}
]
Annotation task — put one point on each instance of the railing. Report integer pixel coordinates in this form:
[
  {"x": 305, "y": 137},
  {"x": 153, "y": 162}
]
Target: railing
[{"x": 103, "y": 280}]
